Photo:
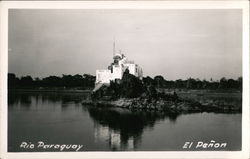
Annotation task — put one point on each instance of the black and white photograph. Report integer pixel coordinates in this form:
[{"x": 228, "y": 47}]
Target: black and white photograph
[{"x": 125, "y": 80}]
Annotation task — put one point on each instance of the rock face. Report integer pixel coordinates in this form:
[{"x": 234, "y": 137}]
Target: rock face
[
  {"x": 180, "y": 105},
  {"x": 132, "y": 93}
]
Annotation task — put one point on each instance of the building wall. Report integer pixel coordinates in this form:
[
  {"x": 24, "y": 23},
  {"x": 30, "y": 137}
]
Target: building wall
[
  {"x": 131, "y": 68},
  {"x": 139, "y": 72},
  {"x": 135, "y": 70},
  {"x": 103, "y": 76},
  {"x": 117, "y": 72}
]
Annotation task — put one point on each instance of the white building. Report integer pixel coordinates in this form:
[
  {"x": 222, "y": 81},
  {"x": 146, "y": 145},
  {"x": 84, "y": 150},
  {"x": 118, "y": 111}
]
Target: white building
[{"x": 116, "y": 70}]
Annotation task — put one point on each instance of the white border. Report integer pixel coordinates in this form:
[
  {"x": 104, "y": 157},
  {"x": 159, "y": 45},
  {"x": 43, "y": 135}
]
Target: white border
[{"x": 4, "y": 6}]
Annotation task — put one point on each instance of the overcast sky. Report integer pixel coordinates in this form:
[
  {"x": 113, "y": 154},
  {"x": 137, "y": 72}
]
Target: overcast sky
[{"x": 176, "y": 44}]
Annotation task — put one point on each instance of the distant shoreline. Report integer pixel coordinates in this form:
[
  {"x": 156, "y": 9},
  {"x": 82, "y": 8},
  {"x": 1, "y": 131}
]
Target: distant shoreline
[
  {"x": 51, "y": 90},
  {"x": 88, "y": 90}
]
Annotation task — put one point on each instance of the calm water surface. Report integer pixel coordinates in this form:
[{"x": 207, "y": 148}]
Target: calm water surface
[{"x": 62, "y": 119}]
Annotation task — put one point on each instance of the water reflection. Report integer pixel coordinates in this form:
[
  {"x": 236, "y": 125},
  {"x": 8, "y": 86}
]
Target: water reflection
[
  {"x": 123, "y": 128},
  {"x": 27, "y": 99},
  {"x": 31, "y": 115},
  {"x": 23, "y": 99}
]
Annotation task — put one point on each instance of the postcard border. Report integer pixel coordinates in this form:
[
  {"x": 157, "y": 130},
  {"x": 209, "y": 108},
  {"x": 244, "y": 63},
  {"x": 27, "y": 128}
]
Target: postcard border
[{"x": 5, "y": 5}]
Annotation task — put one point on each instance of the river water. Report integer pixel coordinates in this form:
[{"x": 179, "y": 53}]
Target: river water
[{"x": 55, "y": 118}]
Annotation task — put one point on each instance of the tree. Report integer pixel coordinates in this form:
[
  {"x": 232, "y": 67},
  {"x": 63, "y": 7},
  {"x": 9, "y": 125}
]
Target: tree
[
  {"x": 160, "y": 81},
  {"x": 190, "y": 83},
  {"x": 13, "y": 81},
  {"x": 131, "y": 86},
  {"x": 239, "y": 80},
  {"x": 26, "y": 81},
  {"x": 89, "y": 80},
  {"x": 148, "y": 81},
  {"x": 179, "y": 83},
  {"x": 52, "y": 81},
  {"x": 223, "y": 83}
]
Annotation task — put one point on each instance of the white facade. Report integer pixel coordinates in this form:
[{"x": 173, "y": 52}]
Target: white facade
[
  {"x": 116, "y": 70},
  {"x": 103, "y": 76}
]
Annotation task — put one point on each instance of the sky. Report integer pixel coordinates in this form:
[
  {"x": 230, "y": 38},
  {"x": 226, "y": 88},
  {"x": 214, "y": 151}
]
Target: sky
[{"x": 176, "y": 44}]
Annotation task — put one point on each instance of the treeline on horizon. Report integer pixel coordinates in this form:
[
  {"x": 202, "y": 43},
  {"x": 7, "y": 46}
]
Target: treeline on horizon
[{"x": 87, "y": 81}]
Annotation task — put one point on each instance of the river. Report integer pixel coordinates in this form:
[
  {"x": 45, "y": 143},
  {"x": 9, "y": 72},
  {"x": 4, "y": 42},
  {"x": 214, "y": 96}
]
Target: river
[{"x": 60, "y": 118}]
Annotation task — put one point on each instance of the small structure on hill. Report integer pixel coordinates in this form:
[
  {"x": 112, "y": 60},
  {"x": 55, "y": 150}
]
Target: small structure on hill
[{"x": 116, "y": 70}]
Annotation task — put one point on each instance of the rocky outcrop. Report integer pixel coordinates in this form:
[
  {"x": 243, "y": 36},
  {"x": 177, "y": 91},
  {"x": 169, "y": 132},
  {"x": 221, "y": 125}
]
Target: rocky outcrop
[
  {"x": 179, "y": 105},
  {"x": 132, "y": 93}
]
